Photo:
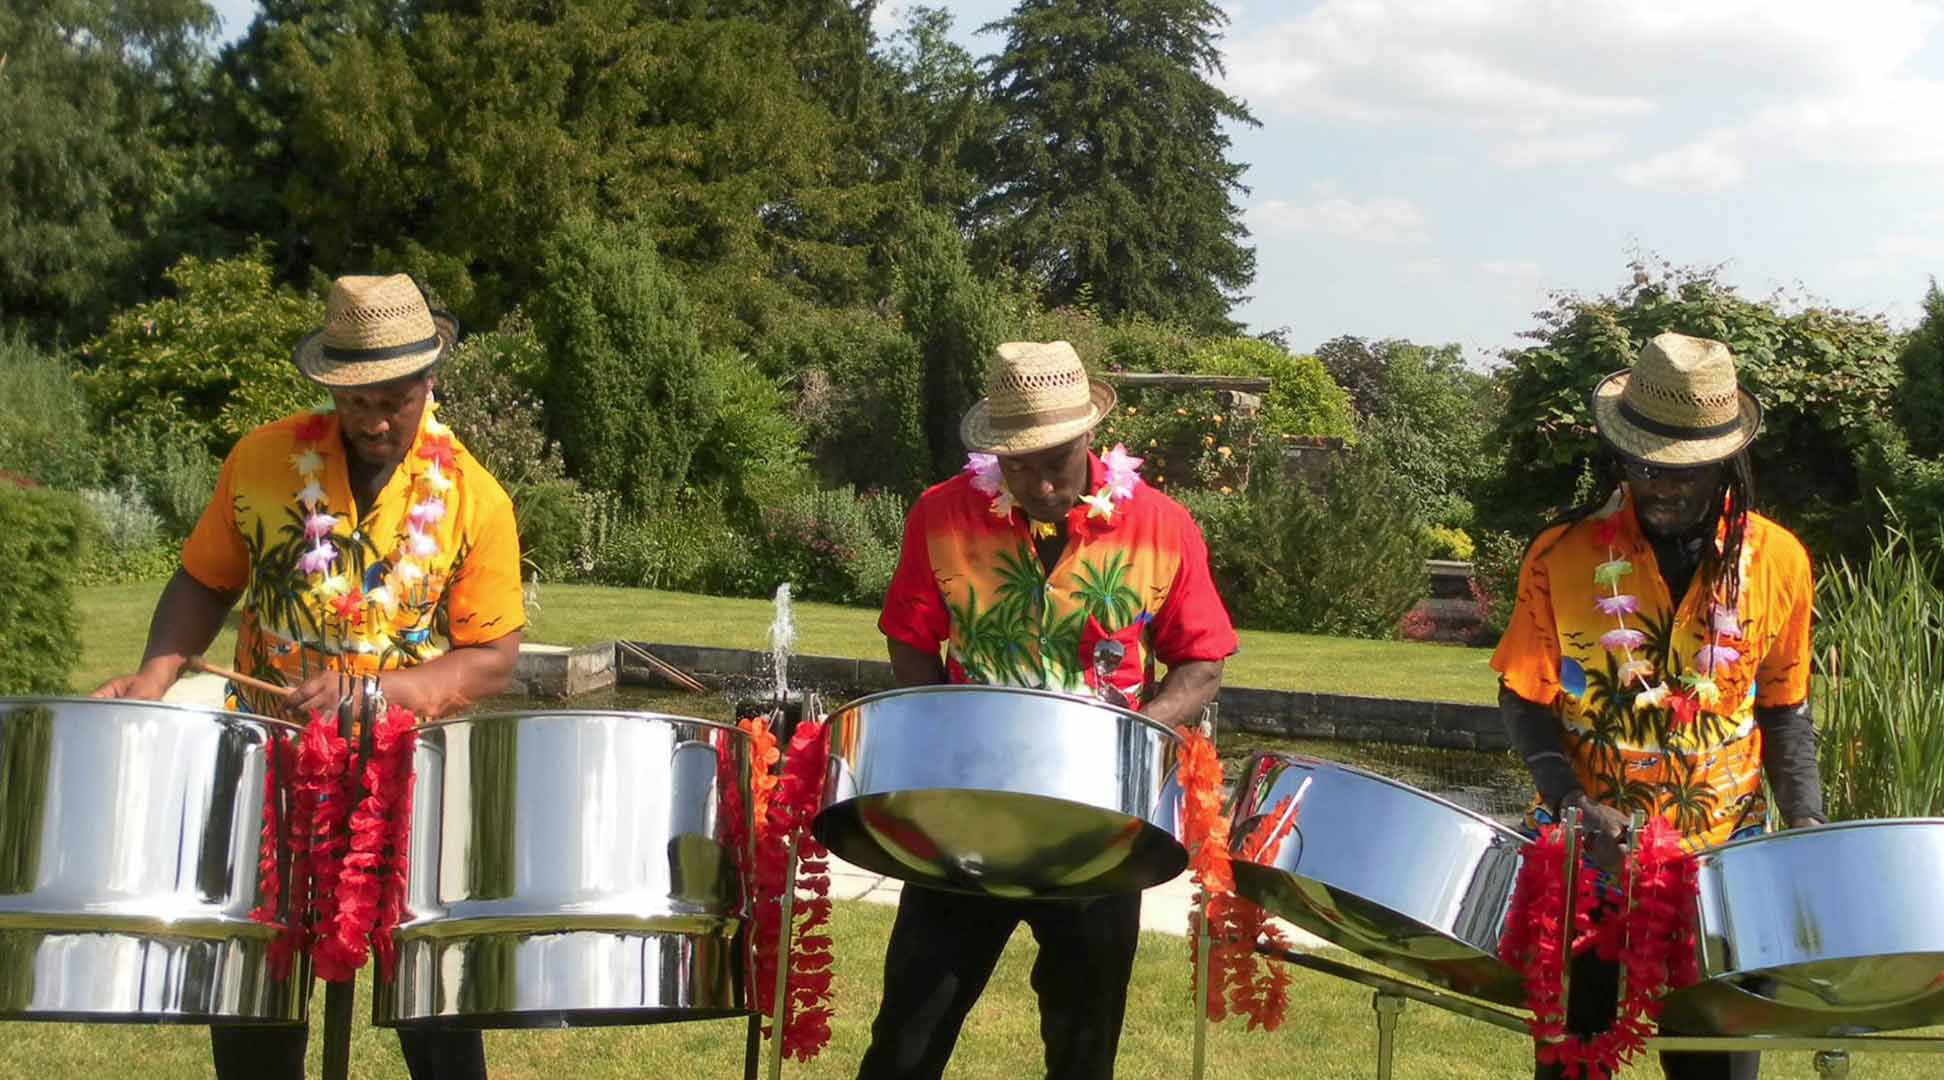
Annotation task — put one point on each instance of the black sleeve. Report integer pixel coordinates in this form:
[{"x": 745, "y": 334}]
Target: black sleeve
[
  {"x": 1535, "y": 735},
  {"x": 1789, "y": 760}
]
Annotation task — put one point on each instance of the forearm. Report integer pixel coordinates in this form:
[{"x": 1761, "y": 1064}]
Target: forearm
[
  {"x": 447, "y": 684},
  {"x": 915, "y": 667},
  {"x": 1789, "y": 761},
  {"x": 187, "y": 618},
  {"x": 1186, "y": 689},
  {"x": 1535, "y": 735}
]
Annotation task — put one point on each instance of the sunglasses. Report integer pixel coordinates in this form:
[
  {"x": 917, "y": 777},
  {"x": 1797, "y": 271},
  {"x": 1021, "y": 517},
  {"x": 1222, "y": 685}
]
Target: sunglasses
[{"x": 1635, "y": 470}]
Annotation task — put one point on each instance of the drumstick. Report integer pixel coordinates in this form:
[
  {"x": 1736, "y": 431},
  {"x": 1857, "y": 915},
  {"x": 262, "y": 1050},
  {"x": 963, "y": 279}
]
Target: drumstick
[{"x": 197, "y": 663}]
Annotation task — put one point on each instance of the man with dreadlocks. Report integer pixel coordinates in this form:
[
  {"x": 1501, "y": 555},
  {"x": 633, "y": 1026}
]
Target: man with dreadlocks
[{"x": 1658, "y": 658}]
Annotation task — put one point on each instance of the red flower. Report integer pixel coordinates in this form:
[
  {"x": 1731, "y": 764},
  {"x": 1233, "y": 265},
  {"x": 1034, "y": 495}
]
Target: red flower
[
  {"x": 350, "y": 606},
  {"x": 1606, "y": 531},
  {"x": 312, "y": 428},
  {"x": 438, "y": 450},
  {"x": 788, "y": 804},
  {"x": 1683, "y": 707}
]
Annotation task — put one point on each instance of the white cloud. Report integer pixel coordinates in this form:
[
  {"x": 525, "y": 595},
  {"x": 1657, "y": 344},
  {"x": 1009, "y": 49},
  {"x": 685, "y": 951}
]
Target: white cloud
[
  {"x": 1708, "y": 165},
  {"x": 1564, "y": 150},
  {"x": 1517, "y": 271},
  {"x": 1382, "y": 220}
]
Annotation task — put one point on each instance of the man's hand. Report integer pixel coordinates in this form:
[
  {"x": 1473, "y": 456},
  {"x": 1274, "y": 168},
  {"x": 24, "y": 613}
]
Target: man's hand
[
  {"x": 148, "y": 683},
  {"x": 1604, "y": 827}
]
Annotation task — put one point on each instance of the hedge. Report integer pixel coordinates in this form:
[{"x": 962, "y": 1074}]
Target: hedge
[{"x": 41, "y": 535}]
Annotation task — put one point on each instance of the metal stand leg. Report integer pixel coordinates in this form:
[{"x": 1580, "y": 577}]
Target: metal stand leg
[
  {"x": 1832, "y": 1064},
  {"x": 753, "y": 1047},
  {"x": 1388, "y": 1007},
  {"x": 1201, "y": 986},
  {"x": 780, "y": 1011}
]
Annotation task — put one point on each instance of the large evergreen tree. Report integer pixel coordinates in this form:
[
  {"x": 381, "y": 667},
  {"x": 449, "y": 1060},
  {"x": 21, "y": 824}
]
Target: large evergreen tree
[{"x": 1111, "y": 176}]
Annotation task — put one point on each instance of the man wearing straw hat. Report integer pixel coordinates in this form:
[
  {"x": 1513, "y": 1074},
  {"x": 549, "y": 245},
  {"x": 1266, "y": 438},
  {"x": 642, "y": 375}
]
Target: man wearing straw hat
[
  {"x": 356, "y": 536},
  {"x": 1043, "y": 566},
  {"x": 1658, "y": 658}
]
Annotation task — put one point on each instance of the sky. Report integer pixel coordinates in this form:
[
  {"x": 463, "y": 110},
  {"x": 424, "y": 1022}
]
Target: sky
[{"x": 1434, "y": 169}]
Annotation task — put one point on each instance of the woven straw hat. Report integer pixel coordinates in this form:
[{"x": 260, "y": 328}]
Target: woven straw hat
[
  {"x": 1679, "y": 404},
  {"x": 1037, "y": 395},
  {"x": 376, "y": 330}
]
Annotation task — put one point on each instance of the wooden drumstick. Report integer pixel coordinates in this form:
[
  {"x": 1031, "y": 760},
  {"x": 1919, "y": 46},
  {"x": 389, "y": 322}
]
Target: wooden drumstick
[{"x": 197, "y": 663}]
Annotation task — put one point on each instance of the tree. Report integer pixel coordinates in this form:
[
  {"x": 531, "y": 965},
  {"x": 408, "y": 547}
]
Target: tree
[
  {"x": 954, "y": 318},
  {"x": 1357, "y": 365},
  {"x": 94, "y": 149},
  {"x": 1825, "y": 375},
  {"x": 1921, "y": 405},
  {"x": 1110, "y": 178},
  {"x": 1435, "y": 416},
  {"x": 626, "y": 390},
  {"x": 938, "y": 109}
]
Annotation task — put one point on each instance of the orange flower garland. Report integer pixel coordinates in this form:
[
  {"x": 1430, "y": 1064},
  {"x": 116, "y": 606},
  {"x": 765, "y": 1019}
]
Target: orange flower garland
[
  {"x": 789, "y": 803},
  {"x": 1653, "y": 943},
  {"x": 1238, "y": 978}
]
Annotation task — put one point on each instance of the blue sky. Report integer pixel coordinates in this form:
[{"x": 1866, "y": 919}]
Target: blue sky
[{"x": 1431, "y": 169}]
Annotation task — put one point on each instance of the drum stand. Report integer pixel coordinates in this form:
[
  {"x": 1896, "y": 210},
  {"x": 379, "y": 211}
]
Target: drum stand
[{"x": 1832, "y": 1053}]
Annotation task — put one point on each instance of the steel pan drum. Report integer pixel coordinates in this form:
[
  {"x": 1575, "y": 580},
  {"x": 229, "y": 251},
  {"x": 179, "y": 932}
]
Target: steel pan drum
[
  {"x": 1384, "y": 871},
  {"x": 129, "y": 848},
  {"x": 1002, "y": 792},
  {"x": 570, "y": 869},
  {"x": 1834, "y": 930}
]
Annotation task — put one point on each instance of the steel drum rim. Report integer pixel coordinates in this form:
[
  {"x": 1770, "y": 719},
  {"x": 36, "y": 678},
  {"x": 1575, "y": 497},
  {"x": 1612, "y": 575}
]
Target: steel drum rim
[
  {"x": 626, "y": 714},
  {"x": 1825, "y": 827},
  {"x": 168, "y": 706},
  {"x": 953, "y": 688},
  {"x": 1311, "y": 761}
]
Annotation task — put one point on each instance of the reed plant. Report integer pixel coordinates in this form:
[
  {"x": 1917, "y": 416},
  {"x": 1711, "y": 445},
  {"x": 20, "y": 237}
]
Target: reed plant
[{"x": 1880, "y": 640}]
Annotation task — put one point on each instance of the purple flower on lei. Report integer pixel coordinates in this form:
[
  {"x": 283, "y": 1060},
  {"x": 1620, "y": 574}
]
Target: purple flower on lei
[
  {"x": 1123, "y": 472},
  {"x": 1622, "y": 639},
  {"x": 985, "y": 472},
  {"x": 1714, "y": 656},
  {"x": 1621, "y": 604},
  {"x": 428, "y": 513},
  {"x": 318, "y": 526},
  {"x": 318, "y": 559}
]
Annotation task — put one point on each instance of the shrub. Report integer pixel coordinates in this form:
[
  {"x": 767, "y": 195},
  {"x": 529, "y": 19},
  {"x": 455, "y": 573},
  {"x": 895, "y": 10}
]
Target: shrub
[
  {"x": 483, "y": 396},
  {"x": 1449, "y": 543},
  {"x": 625, "y": 396},
  {"x": 1187, "y": 439},
  {"x": 1345, "y": 560},
  {"x": 126, "y": 538},
  {"x": 172, "y": 477},
  {"x": 954, "y": 316},
  {"x": 1495, "y": 579},
  {"x": 211, "y": 362},
  {"x": 860, "y": 397},
  {"x": 1302, "y": 398},
  {"x": 752, "y": 448},
  {"x": 1920, "y": 407},
  {"x": 688, "y": 546},
  {"x": 1880, "y": 634},
  {"x": 46, "y": 432},
  {"x": 42, "y": 546},
  {"x": 554, "y": 521},
  {"x": 834, "y": 545}
]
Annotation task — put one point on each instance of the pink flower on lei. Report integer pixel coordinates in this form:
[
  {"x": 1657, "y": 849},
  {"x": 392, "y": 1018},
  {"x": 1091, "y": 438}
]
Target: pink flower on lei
[
  {"x": 984, "y": 468},
  {"x": 318, "y": 559},
  {"x": 1123, "y": 472}
]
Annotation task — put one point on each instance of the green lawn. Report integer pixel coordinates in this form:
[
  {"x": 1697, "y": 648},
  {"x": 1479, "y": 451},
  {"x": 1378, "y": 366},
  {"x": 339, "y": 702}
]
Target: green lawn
[
  {"x": 114, "y": 622},
  {"x": 1329, "y": 1034}
]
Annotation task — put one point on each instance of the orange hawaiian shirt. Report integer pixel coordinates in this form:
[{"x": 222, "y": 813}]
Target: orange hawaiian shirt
[
  {"x": 437, "y": 556},
  {"x": 969, "y": 579},
  {"x": 1656, "y": 701}
]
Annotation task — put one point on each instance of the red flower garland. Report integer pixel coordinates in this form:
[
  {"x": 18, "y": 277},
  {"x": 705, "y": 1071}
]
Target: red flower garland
[
  {"x": 355, "y": 861},
  {"x": 1238, "y": 978},
  {"x": 292, "y": 935},
  {"x": 1653, "y": 943},
  {"x": 787, "y": 812}
]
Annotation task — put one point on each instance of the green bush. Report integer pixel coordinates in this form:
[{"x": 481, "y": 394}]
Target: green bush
[
  {"x": 127, "y": 539},
  {"x": 1495, "y": 575},
  {"x": 1344, "y": 559},
  {"x": 554, "y": 519},
  {"x": 688, "y": 546},
  {"x": 833, "y": 545},
  {"x": 1186, "y": 439},
  {"x": 752, "y": 449},
  {"x": 1302, "y": 398},
  {"x": 46, "y": 432},
  {"x": 1880, "y": 635},
  {"x": 1455, "y": 544},
  {"x": 212, "y": 361},
  {"x": 484, "y": 398},
  {"x": 42, "y": 544},
  {"x": 1920, "y": 407},
  {"x": 625, "y": 394},
  {"x": 171, "y": 476},
  {"x": 860, "y": 397},
  {"x": 954, "y": 316}
]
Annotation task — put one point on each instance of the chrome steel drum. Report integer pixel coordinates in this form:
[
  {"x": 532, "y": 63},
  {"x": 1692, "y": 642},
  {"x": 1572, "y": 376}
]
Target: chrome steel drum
[
  {"x": 573, "y": 868},
  {"x": 1383, "y": 870},
  {"x": 1000, "y": 791},
  {"x": 129, "y": 853},
  {"x": 1826, "y": 931}
]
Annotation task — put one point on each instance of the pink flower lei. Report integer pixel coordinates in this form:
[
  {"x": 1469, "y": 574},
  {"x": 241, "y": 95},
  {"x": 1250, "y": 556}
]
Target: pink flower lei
[{"x": 1123, "y": 477}]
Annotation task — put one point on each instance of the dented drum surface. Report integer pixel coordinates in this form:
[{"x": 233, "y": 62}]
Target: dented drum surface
[
  {"x": 131, "y": 839},
  {"x": 1003, "y": 792},
  {"x": 1383, "y": 870},
  {"x": 573, "y": 868}
]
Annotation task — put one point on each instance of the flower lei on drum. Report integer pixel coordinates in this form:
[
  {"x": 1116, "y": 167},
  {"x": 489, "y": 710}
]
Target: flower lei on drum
[
  {"x": 784, "y": 807},
  {"x": 347, "y": 867},
  {"x": 1238, "y": 978},
  {"x": 1653, "y": 944}
]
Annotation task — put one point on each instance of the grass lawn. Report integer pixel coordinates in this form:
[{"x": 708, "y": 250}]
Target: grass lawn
[
  {"x": 114, "y": 621},
  {"x": 1329, "y": 1034}
]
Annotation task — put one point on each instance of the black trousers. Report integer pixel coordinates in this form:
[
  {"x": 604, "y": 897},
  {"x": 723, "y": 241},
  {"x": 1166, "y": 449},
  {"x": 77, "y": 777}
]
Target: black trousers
[
  {"x": 249, "y": 1052},
  {"x": 1595, "y": 997},
  {"x": 944, "y": 947}
]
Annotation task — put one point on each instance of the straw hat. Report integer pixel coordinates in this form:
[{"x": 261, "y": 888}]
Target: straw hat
[
  {"x": 1037, "y": 395},
  {"x": 1679, "y": 404},
  {"x": 376, "y": 330}
]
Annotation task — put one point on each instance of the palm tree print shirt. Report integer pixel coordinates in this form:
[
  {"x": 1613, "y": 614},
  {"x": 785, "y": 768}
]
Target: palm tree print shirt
[
  {"x": 397, "y": 585},
  {"x": 1695, "y": 762},
  {"x": 969, "y": 580}
]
